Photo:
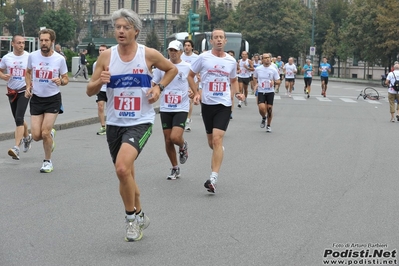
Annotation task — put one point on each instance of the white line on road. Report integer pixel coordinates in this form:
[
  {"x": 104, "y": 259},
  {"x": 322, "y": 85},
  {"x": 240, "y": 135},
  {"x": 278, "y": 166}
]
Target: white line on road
[{"x": 347, "y": 100}]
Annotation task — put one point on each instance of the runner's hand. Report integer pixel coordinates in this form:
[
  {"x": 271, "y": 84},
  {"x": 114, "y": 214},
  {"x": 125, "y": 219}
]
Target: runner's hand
[
  {"x": 105, "y": 76},
  {"x": 197, "y": 99},
  {"x": 153, "y": 94}
]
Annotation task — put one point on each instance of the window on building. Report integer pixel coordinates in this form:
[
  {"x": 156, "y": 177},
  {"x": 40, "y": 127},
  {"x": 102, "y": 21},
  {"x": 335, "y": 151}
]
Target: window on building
[
  {"x": 135, "y": 5},
  {"x": 176, "y": 7},
  {"x": 94, "y": 7},
  {"x": 107, "y": 7},
  {"x": 153, "y": 6},
  {"x": 121, "y": 4}
]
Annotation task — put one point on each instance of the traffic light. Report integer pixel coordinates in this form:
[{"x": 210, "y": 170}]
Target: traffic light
[{"x": 193, "y": 22}]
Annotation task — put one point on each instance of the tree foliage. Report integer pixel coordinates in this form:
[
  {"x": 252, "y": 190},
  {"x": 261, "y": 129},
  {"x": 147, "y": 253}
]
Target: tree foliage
[
  {"x": 61, "y": 22},
  {"x": 152, "y": 40}
]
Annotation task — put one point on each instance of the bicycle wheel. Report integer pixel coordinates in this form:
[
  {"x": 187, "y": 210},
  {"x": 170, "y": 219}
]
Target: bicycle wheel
[{"x": 371, "y": 94}]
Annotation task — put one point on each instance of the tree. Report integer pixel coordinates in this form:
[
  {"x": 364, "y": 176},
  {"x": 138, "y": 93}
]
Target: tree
[
  {"x": 61, "y": 22},
  {"x": 152, "y": 40},
  {"x": 285, "y": 30}
]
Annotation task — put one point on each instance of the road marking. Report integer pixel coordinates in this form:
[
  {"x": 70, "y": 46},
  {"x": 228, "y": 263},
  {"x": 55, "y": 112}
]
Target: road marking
[
  {"x": 322, "y": 99},
  {"x": 372, "y": 102},
  {"x": 298, "y": 98},
  {"x": 347, "y": 100},
  {"x": 277, "y": 97}
]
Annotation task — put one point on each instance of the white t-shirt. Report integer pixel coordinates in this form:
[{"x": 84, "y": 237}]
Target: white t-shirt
[
  {"x": 16, "y": 67},
  {"x": 216, "y": 73},
  {"x": 265, "y": 76},
  {"x": 189, "y": 58},
  {"x": 104, "y": 86},
  {"x": 174, "y": 97},
  {"x": 43, "y": 70},
  {"x": 391, "y": 79},
  {"x": 244, "y": 73},
  {"x": 289, "y": 71}
]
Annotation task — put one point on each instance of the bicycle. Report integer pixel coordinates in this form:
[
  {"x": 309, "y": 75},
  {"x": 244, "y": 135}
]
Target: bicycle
[{"x": 370, "y": 94}]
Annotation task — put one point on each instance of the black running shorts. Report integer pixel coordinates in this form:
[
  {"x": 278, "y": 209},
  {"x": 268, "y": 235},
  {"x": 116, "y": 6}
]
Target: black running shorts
[
  {"x": 244, "y": 80},
  {"x": 101, "y": 97},
  {"x": 267, "y": 98},
  {"x": 325, "y": 79},
  {"x": 41, "y": 105},
  {"x": 173, "y": 119},
  {"x": 308, "y": 81},
  {"x": 215, "y": 116},
  {"x": 136, "y": 136}
]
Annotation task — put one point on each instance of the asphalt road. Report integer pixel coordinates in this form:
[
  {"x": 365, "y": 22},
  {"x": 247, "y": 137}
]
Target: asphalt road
[{"x": 327, "y": 175}]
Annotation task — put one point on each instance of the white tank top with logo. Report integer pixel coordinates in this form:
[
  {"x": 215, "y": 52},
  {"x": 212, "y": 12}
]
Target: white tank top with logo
[
  {"x": 244, "y": 73},
  {"x": 216, "y": 73},
  {"x": 44, "y": 69},
  {"x": 127, "y": 101},
  {"x": 174, "y": 98},
  {"x": 15, "y": 65}
]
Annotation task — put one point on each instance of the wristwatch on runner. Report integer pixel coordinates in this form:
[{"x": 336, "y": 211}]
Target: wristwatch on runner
[{"x": 161, "y": 87}]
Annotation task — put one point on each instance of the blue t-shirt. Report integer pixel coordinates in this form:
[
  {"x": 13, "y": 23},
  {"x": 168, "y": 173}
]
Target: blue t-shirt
[
  {"x": 307, "y": 71},
  {"x": 324, "y": 69}
]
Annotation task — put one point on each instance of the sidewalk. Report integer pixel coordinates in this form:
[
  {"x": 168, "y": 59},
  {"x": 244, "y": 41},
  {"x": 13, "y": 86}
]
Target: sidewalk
[{"x": 81, "y": 110}]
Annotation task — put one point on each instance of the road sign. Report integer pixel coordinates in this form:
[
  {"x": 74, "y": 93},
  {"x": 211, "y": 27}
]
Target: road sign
[{"x": 312, "y": 50}]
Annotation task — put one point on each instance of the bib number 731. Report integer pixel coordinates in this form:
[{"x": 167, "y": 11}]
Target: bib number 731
[{"x": 127, "y": 103}]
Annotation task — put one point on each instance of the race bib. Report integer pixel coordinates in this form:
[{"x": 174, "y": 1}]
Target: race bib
[
  {"x": 173, "y": 99},
  {"x": 17, "y": 72},
  {"x": 127, "y": 103},
  {"x": 289, "y": 73},
  {"x": 217, "y": 86},
  {"x": 309, "y": 73},
  {"x": 265, "y": 85},
  {"x": 44, "y": 74}
]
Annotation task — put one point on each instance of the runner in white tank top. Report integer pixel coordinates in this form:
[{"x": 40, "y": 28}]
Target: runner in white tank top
[
  {"x": 218, "y": 72},
  {"x": 46, "y": 72},
  {"x": 125, "y": 68},
  {"x": 289, "y": 71},
  {"x": 13, "y": 70}
]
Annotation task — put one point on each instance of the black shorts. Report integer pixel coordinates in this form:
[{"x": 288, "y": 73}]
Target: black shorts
[
  {"x": 267, "y": 98},
  {"x": 308, "y": 81},
  {"x": 173, "y": 119},
  {"x": 325, "y": 79},
  {"x": 101, "y": 97},
  {"x": 244, "y": 80},
  {"x": 41, "y": 105},
  {"x": 136, "y": 136},
  {"x": 215, "y": 116},
  {"x": 290, "y": 80}
]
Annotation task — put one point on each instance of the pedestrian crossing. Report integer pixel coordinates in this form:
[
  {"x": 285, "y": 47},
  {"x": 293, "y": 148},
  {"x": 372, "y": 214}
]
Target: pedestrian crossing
[{"x": 345, "y": 99}]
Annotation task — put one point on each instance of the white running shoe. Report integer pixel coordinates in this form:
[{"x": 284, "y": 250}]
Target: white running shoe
[
  {"x": 27, "y": 143},
  {"x": 187, "y": 127},
  {"x": 14, "y": 152},
  {"x": 47, "y": 167},
  {"x": 210, "y": 184},
  {"x": 174, "y": 174},
  {"x": 133, "y": 230},
  {"x": 268, "y": 129}
]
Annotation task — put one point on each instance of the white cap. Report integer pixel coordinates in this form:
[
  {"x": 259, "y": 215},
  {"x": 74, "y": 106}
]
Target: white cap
[{"x": 175, "y": 45}]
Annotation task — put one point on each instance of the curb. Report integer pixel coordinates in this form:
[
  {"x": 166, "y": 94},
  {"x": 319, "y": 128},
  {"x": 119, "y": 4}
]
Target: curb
[{"x": 67, "y": 125}]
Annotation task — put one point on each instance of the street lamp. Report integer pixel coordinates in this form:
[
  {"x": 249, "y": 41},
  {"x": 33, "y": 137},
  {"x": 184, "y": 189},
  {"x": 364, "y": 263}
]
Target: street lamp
[
  {"x": 90, "y": 18},
  {"x": 313, "y": 16}
]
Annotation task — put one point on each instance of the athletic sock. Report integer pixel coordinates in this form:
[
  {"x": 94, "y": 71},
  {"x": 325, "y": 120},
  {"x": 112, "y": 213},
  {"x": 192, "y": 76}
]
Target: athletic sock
[{"x": 130, "y": 215}]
